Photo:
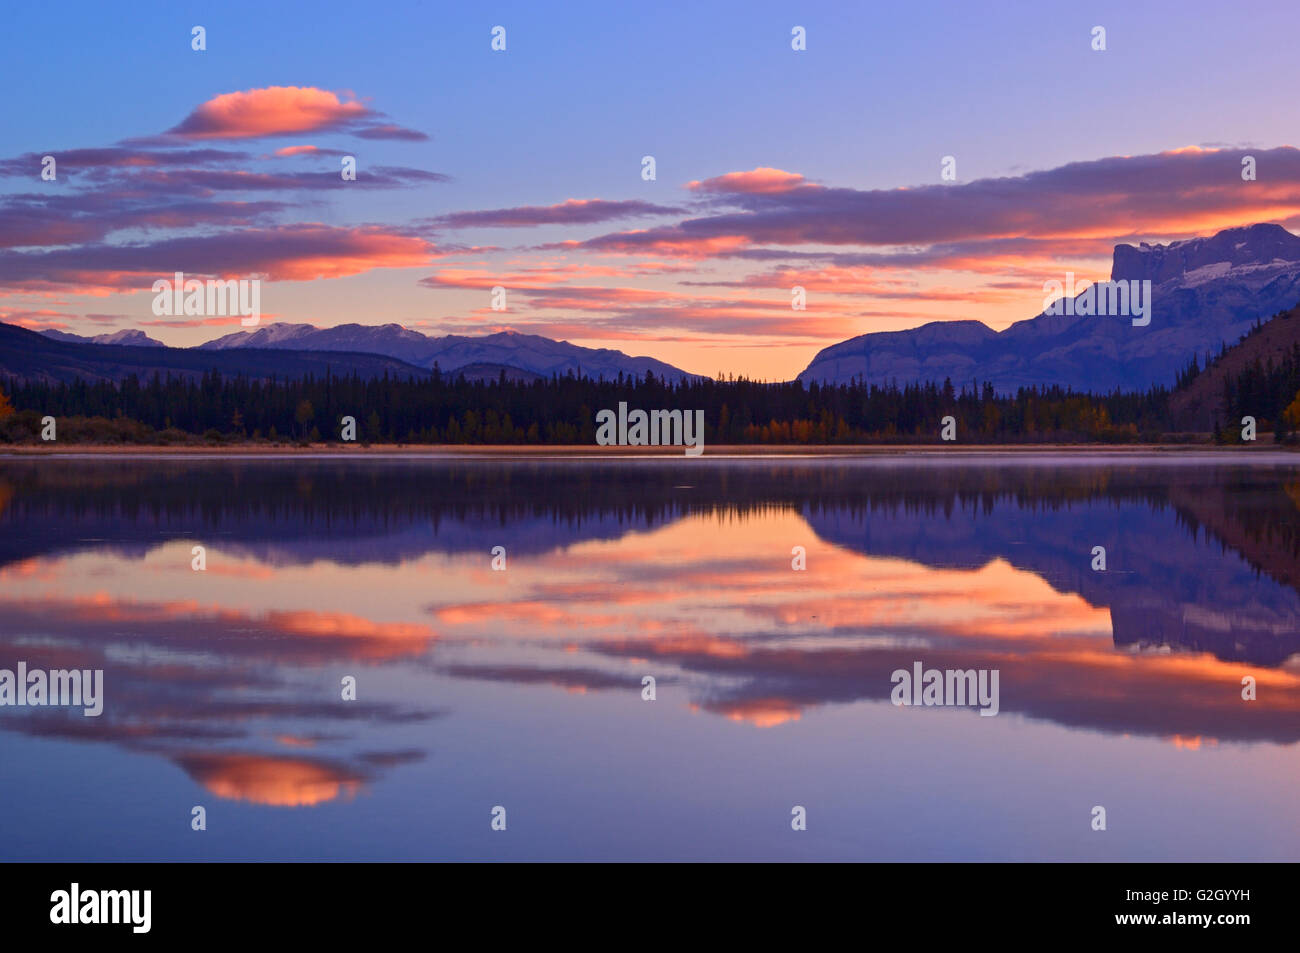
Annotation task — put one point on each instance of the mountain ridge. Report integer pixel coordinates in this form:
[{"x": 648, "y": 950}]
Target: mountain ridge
[
  {"x": 129, "y": 337},
  {"x": 530, "y": 353},
  {"x": 1206, "y": 292},
  {"x": 1199, "y": 406},
  {"x": 29, "y": 355}
]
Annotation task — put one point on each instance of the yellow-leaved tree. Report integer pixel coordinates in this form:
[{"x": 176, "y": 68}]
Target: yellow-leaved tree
[{"x": 1292, "y": 413}]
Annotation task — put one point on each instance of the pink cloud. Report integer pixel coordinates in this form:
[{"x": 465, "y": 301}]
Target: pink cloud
[
  {"x": 195, "y": 322},
  {"x": 270, "y": 111},
  {"x": 763, "y": 180},
  {"x": 283, "y": 253},
  {"x": 37, "y": 320},
  {"x": 543, "y": 275}
]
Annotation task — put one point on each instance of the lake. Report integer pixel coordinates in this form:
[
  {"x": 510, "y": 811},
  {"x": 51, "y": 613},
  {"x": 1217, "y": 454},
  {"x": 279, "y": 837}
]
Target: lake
[{"x": 496, "y": 621}]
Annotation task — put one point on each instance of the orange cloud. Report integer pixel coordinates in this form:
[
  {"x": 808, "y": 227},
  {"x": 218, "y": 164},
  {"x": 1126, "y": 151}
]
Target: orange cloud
[
  {"x": 194, "y": 322},
  {"x": 344, "y": 625},
  {"x": 759, "y": 712},
  {"x": 272, "y": 110},
  {"x": 302, "y": 252},
  {"x": 763, "y": 180},
  {"x": 37, "y": 320},
  {"x": 338, "y": 633},
  {"x": 262, "y": 779},
  {"x": 661, "y": 242}
]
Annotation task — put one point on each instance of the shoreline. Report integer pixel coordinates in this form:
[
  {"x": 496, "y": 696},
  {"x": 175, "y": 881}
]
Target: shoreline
[{"x": 592, "y": 451}]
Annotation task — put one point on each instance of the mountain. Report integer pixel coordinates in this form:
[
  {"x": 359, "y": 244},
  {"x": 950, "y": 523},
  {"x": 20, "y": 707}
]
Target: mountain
[
  {"x": 28, "y": 355},
  {"x": 129, "y": 337},
  {"x": 1198, "y": 405},
  {"x": 1205, "y": 293},
  {"x": 271, "y": 336},
  {"x": 526, "y": 352}
]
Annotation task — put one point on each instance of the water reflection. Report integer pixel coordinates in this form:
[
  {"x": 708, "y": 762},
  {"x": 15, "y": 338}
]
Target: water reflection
[{"x": 615, "y": 570}]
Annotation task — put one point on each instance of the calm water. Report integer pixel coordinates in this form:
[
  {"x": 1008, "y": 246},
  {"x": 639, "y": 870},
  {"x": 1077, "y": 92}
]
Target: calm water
[{"x": 523, "y": 688}]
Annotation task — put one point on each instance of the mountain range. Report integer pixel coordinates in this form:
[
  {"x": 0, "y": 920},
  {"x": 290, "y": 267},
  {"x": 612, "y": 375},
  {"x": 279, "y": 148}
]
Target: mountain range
[
  {"x": 525, "y": 352},
  {"x": 286, "y": 349},
  {"x": 28, "y": 355},
  {"x": 1205, "y": 293}
]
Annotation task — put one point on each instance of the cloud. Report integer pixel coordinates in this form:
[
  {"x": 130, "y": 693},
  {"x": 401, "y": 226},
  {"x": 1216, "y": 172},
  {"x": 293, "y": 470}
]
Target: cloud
[
  {"x": 203, "y": 181},
  {"x": 1177, "y": 193},
  {"x": 616, "y": 312},
  {"x": 70, "y": 162},
  {"x": 159, "y": 193},
  {"x": 196, "y": 322},
  {"x": 93, "y": 230},
  {"x": 877, "y": 283},
  {"x": 295, "y": 150},
  {"x": 271, "y": 780},
  {"x": 390, "y": 131},
  {"x": 543, "y": 275},
  {"x": 569, "y": 212},
  {"x": 251, "y": 671},
  {"x": 269, "y": 111},
  {"x": 304, "y": 150},
  {"x": 761, "y": 181},
  {"x": 671, "y": 241},
  {"x": 281, "y": 253},
  {"x": 284, "y": 111},
  {"x": 36, "y": 221},
  {"x": 37, "y": 320},
  {"x": 578, "y": 680}
]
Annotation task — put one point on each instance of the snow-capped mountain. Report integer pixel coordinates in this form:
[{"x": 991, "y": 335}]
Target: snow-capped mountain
[
  {"x": 527, "y": 352},
  {"x": 27, "y": 355},
  {"x": 131, "y": 338},
  {"x": 272, "y": 335},
  {"x": 1205, "y": 292}
]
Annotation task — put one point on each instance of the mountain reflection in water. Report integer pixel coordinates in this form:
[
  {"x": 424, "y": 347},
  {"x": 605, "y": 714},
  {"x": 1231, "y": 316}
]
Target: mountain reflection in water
[{"x": 381, "y": 569}]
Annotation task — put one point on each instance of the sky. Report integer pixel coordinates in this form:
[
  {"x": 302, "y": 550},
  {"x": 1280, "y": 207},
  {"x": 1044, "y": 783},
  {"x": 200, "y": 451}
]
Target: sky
[{"x": 523, "y": 168}]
